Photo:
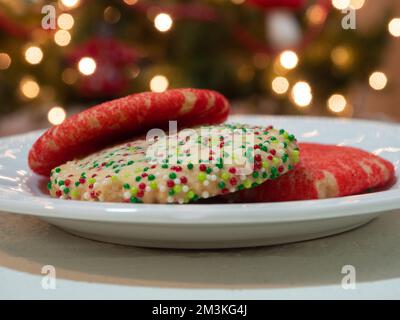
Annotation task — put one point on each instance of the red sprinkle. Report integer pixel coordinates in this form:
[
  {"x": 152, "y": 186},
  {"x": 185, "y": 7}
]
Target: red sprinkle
[
  {"x": 257, "y": 157},
  {"x": 184, "y": 180},
  {"x": 82, "y": 180},
  {"x": 58, "y": 193},
  {"x": 272, "y": 151},
  {"x": 203, "y": 167},
  {"x": 233, "y": 181},
  {"x": 232, "y": 170},
  {"x": 67, "y": 182},
  {"x": 140, "y": 193},
  {"x": 281, "y": 168},
  {"x": 170, "y": 183},
  {"x": 142, "y": 185}
]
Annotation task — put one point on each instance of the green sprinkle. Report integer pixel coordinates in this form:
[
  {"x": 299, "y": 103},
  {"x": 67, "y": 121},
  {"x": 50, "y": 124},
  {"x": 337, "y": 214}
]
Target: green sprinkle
[
  {"x": 255, "y": 174},
  {"x": 77, "y": 183},
  {"x": 172, "y": 175},
  {"x": 164, "y": 166},
  {"x": 190, "y": 166},
  {"x": 49, "y": 185},
  {"x": 58, "y": 170},
  {"x": 151, "y": 177},
  {"x": 127, "y": 186},
  {"x": 171, "y": 192},
  {"x": 61, "y": 182},
  {"x": 221, "y": 185},
  {"x": 177, "y": 188},
  {"x": 201, "y": 176},
  {"x": 138, "y": 178},
  {"x": 66, "y": 190}
]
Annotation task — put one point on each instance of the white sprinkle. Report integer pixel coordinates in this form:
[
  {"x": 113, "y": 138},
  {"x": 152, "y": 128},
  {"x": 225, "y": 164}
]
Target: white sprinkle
[
  {"x": 232, "y": 189},
  {"x": 206, "y": 183},
  {"x": 148, "y": 189},
  {"x": 170, "y": 199},
  {"x": 205, "y": 194},
  {"x": 86, "y": 196},
  {"x": 216, "y": 169},
  {"x": 62, "y": 187},
  {"x": 213, "y": 177},
  {"x": 127, "y": 195},
  {"x": 95, "y": 185},
  {"x": 208, "y": 177},
  {"x": 162, "y": 188},
  {"x": 242, "y": 177},
  {"x": 185, "y": 188},
  {"x": 106, "y": 181},
  {"x": 177, "y": 181},
  {"x": 180, "y": 201}
]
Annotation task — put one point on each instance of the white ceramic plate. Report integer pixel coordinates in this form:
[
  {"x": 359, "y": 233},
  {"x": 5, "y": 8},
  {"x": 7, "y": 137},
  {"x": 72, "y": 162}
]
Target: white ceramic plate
[{"x": 209, "y": 225}]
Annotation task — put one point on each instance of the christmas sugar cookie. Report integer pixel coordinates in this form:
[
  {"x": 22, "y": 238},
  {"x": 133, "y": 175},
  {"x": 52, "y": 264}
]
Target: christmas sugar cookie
[
  {"x": 121, "y": 118},
  {"x": 182, "y": 167},
  {"x": 324, "y": 171}
]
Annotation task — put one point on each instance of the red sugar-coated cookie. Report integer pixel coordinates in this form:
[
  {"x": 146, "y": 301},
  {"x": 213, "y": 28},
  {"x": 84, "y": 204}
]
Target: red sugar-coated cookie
[
  {"x": 324, "y": 171},
  {"x": 121, "y": 118}
]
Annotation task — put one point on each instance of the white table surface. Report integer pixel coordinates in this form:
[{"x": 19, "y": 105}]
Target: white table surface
[{"x": 89, "y": 269}]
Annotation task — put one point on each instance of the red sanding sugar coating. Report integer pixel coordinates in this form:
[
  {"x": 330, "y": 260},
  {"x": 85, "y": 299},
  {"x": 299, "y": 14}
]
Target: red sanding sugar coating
[
  {"x": 121, "y": 118},
  {"x": 324, "y": 171}
]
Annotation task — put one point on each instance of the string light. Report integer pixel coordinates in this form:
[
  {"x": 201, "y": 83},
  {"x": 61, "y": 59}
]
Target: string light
[
  {"x": 301, "y": 94},
  {"x": 378, "y": 80},
  {"x": 280, "y": 85},
  {"x": 29, "y": 87},
  {"x": 238, "y": 1},
  {"x": 56, "y": 115},
  {"x": 316, "y": 14},
  {"x": 394, "y": 27},
  {"x": 70, "y": 3},
  {"x": 357, "y": 4},
  {"x": 65, "y": 21},
  {"x": 62, "y": 38},
  {"x": 288, "y": 59},
  {"x": 159, "y": 83},
  {"x": 341, "y": 56},
  {"x": 341, "y": 4},
  {"x": 87, "y": 66},
  {"x": 5, "y": 61},
  {"x": 131, "y": 2},
  {"x": 163, "y": 22},
  {"x": 69, "y": 76},
  {"x": 111, "y": 15},
  {"x": 33, "y": 55},
  {"x": 337, "y": 103}
]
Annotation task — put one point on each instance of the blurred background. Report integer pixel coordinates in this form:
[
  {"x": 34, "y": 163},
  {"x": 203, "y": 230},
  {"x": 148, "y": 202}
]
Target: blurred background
[{"x": 336, "y": 58}]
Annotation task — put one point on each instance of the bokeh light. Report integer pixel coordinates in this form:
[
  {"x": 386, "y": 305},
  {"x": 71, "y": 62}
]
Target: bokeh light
[
  {"x": 29, "y": 87},
  {"x": 69, "y": 76},
  {"x": 378, "y": 80},
  {"x": 62, "y": 38},
  {"x": 111, "y": 15},
  {"x": 159, "y": 83},
  {"x": 394, "y": 27},
  {"x": 5, "y": 61},
  {"x": 65, "y": 21},
  {"x": 301, "y": 94},
  {"x": 163, "y": 22},
  {"x": 316, "y": 14},
  {"x": 87, "y": 66},
  {"x": 337, "y": 103},
  {"x": 357, "y": 4},
  {"x": 280, "y": 85},
  {"x": 70, "y": 3},
  {"x": 341, "y": 56},
  {"x": 131, "y": 2},
  {"x": 33, "y": 55},
  {"x": 288, "y": 59},
  {"x": 341, "y": 4},
  {"x": 56, "y": 115}
]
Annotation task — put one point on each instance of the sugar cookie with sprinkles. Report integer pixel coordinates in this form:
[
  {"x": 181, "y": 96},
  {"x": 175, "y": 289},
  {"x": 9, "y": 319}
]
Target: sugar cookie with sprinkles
[
  {"x": 116, "y": 120},
  {"x": 236, "y": 157}
]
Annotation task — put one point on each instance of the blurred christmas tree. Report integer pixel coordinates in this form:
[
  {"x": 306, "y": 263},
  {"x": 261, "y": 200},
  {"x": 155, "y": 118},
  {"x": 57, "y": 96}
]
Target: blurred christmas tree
[{"x": 296, "y": 51}]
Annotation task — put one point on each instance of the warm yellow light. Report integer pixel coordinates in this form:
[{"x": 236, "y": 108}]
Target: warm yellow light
[
  {"x": 394, "y": 27},
  {"x": 69, "y": 76},
  {"x": 87, "y": 66},
  {"x": 131, "y": 2},
  {"x": 29, "y": 88},
  {"x": 378, "y": 80},
  {"x": 301, "y": 94},
  {"x": 288, "y": 59},
  {"x": 62, "y": 38},
  {"x": 33, "y": 55},
  {"x": 280, "y": 85},
  {"x": 357, "y": 4},
  {"x": 5, "y": 61},
  {"x": 56, "y": 115},
  {"x": 337, "y": 103},
  {"x": 238, "y": 1},
  {"x": 159, "y": 83},
  {"x": 70, "y": 3},
  {"x": 163, "y": 22},
  {"x": 341, "y": 56},
  {"x": 111, "y": 15},
  {"x": 341, "y": 4},
  {"x": 65, "y": 21},
  {"x": 316, "y": 14}
]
